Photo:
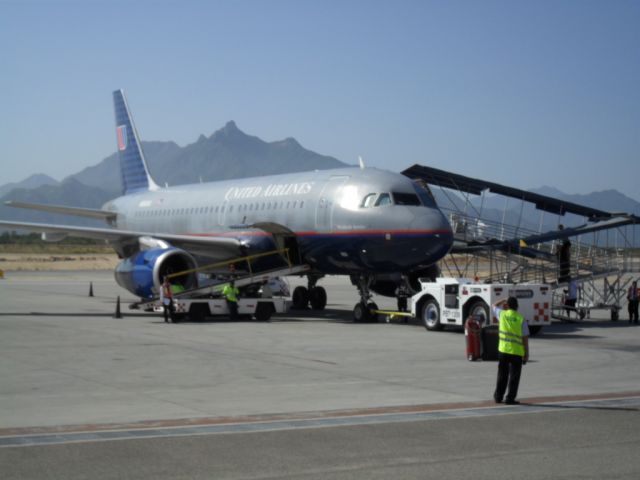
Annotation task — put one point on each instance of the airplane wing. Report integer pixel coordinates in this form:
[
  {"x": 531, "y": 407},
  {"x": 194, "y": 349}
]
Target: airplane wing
[
  {"x": 78, "y": 212},
  {"x": 123, "y": 240}
]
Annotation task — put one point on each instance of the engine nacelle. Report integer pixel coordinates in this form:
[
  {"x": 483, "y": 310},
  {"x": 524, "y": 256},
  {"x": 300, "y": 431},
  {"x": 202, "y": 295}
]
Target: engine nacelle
[{"x": 142, "y": 273}]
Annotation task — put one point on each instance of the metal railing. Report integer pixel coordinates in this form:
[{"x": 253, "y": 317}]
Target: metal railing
[{"x": 282, "y": 252}]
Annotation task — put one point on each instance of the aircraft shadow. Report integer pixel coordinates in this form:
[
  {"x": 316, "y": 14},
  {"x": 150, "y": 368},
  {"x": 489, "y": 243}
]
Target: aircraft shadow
[
  {"x": 70, "y": 314},
  {"x": 580, "y": 330}
]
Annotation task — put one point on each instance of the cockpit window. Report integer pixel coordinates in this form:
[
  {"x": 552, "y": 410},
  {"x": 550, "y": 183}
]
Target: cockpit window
[
  {"x": 405, "y": 198},
  {"x": 383, "y": 199},
  {"x": 369, "y": 200},
  {"x": 425, "y": 194}
]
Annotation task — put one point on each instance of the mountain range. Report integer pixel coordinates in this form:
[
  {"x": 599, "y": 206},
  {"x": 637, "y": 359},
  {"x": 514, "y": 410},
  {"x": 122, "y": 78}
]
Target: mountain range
[{"x": 230, "y": 153}]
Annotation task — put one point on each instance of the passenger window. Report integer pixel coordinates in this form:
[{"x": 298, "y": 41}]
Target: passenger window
[
  {"x": 383, "y": 199},
  {"x": 368, "y": 200}
]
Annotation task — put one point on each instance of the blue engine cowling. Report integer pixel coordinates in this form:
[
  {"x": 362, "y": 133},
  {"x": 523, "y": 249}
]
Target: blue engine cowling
[{"x": 142, "y": 273}]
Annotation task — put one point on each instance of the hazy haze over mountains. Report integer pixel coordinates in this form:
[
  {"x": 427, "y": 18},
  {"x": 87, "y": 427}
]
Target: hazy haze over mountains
[
  {"x": 34, "y": 181},
  {"x": 228, "y": 153}
]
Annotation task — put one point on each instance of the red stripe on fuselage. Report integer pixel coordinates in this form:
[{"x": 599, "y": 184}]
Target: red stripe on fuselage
[{"x": 324, "y": 234}]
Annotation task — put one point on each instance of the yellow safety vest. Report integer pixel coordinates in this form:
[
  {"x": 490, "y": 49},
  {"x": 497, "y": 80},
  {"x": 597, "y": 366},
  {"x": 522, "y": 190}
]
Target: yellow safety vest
[
  {"x": 230, "y": 293},
  {"x": 510, "y": 333}
]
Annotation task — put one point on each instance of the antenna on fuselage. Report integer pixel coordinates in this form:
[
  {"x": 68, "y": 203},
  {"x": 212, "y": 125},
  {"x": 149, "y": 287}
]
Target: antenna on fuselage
[{"x": 361, "y": 162}]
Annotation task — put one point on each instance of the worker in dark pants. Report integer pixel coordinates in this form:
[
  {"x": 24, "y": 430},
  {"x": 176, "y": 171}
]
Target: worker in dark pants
[
  {"x": 632, "y": 299},
  {"x": 513, "y": 349},
  {"x": 230, "y": 292},
  {"x": 564, "y": 262},
  {"x": 166, "y": 298},
  {"x": 403, "y": 292}
]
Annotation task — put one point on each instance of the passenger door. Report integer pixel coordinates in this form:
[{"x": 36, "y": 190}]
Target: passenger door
[{"x": 324, "y": 209}]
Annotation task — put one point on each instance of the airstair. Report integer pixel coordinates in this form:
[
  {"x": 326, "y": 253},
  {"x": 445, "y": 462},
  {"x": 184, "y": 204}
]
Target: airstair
[{"x": 603, "y": 263}]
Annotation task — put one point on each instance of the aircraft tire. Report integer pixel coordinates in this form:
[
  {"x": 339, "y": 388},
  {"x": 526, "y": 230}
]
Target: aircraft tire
[
  {"x": 535, "y": 329},
  {"x": 300, "y": 298},
  {"x": 431, "y": 315},
  {"x": 264, "y": 310},
  {"x": 318, "y": 298},
  {"x": 198, "y": 312},
  {"x": 481, "y": 309},
  {"x": 360, "y": 313}
]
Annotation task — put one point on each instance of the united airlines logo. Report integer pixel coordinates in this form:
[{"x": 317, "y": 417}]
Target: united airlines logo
[{"x": 121, "y": 132}]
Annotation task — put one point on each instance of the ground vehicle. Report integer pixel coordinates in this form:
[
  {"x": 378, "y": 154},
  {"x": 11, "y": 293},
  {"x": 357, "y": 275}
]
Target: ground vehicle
[
  {"x": 197, "y": 306},
  {"x": 197, "y": 309},
  {"x": 207, "y": 301},
  {"x": 450, "y": 301}
]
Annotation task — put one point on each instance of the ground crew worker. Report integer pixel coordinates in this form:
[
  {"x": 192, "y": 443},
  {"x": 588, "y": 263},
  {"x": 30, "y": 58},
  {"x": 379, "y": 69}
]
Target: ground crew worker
[
  {"x": 571, "y": 297},
  {"x": 513, "y": 349},
  {"x": 403, "y": 292},
  {"x": 265, "y": 291},
  {"x": 166, "y": 299},
  {"x": 230, "y": 292},
  {"x": 564, "y": 261},
  {"x": 632, "y": 306}
]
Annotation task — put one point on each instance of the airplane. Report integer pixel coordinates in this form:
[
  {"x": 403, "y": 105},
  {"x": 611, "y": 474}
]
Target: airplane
[{"x": 379, "y": 227}]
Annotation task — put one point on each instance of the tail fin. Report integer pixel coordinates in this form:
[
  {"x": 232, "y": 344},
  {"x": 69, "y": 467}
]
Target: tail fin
[{"x": 133, "y": 167}]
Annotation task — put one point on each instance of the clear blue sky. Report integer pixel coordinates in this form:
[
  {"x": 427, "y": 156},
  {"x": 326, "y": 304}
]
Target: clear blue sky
[{"x": 525, "y": 93}]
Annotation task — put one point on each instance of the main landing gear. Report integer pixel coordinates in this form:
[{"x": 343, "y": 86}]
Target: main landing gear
[
  {"x": 316, "y": 297},
  {"x": 310, "y": 295},
  {"x": 362, "y": 311}
]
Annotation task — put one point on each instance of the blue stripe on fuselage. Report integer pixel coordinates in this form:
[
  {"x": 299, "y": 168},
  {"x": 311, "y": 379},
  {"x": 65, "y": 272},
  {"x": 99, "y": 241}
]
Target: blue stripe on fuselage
[{"x": 343, "y": 253}]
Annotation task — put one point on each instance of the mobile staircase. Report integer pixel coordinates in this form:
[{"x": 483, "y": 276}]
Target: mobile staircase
[{"x": 603, "y": 266}]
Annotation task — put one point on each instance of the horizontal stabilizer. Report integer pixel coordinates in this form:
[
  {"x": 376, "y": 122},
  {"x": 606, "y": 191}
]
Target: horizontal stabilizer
[{"x": 76, "y": 211}]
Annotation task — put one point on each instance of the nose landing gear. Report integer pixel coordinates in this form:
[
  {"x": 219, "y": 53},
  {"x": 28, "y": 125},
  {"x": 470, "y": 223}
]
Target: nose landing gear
[{"x": 362, "y": 311}]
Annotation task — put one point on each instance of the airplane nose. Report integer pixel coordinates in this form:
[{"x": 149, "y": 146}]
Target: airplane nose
[
  {"x": 434, "y": 221},
  {"x": 435, "y": 226}
]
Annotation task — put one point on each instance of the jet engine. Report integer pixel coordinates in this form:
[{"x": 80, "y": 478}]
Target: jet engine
[{"x": 142, "y": 273}]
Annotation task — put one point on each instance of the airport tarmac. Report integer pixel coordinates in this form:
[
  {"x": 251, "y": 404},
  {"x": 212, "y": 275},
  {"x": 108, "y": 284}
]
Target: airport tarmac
[{"x": 308, "y": 395}]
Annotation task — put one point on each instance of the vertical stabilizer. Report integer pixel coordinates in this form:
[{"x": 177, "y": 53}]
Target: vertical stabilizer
[{"x": 133, "y": 167}]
